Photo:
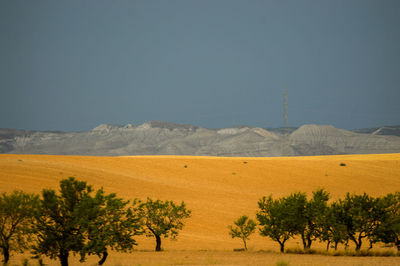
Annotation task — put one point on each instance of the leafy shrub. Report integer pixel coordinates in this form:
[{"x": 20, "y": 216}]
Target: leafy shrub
[{"x": 282, "y": 263}]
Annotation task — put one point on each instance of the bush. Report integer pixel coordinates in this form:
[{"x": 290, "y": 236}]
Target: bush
[
  {"x": 302, "y": 251},
  {"x": 282, "y": 263},
  {"x": 294, "y": 251},
  {"x": 361, "y": 253}
]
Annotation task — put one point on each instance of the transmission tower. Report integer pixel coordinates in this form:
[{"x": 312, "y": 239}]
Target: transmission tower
[{"x": 285, "y": 112}]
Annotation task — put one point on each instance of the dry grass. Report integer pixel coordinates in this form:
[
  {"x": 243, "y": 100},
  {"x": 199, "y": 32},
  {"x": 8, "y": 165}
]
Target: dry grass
[
  {"x": 217, "y": 190},
  {"x": 213, "y": 257}
]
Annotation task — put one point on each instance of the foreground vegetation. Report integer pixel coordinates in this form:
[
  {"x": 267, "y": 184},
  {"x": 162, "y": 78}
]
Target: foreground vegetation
[
  {"x": 78, "y": 222},
  {"x": 81, "y": 221},
  {"x": 354, "y": 218},
  {"x": 219, "y": 257}
]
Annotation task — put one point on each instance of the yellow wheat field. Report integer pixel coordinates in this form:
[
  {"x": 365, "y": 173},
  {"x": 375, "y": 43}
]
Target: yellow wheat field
[{"x": 217, "y": 190}]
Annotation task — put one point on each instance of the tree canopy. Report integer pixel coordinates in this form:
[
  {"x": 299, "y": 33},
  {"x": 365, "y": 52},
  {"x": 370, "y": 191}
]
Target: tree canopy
[
  {"x": 161, "y": 218},
  {"x": 388, "y": 230},
  {"x": 243, "y": 228},
  {"x": 16, "y": 214},
  {"x": 359, "y": 216},
  {"x": 57, "y": 221},
  {"x": 315, "y": 210},
  {"x": 108, "y": 224},
  {"x": 75, "y": 221},
  {"x": 282, "y": 218}
]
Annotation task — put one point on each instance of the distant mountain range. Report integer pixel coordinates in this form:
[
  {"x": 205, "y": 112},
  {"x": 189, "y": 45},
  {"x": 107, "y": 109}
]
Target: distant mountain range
[{"x": 161, "y": 138}]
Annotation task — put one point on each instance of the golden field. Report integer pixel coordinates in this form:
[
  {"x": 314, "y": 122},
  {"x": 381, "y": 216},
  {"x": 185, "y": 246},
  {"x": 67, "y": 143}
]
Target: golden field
[{"x": 217, "y": 190}]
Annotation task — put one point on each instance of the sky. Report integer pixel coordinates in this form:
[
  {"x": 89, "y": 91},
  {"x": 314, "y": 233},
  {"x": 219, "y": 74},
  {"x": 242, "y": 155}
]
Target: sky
[{"x": 72, "y": 65}]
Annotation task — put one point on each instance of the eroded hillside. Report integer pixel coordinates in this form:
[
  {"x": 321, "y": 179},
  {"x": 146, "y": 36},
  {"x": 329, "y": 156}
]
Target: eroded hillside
[{"x": 160, "y": 138}]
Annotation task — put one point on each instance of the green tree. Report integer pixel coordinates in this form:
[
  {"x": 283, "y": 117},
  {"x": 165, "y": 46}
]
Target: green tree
[
  {"x": 283, "y": 218},
  {"x": 58, "y": 220},
  {"x": 242, "y": 229},
  {"x": 107, "y": 224},
  {"x": 388, "y": 230},
  {"x": 359, "y": 215},
  {"x": 315, "y": 210},
  {"x": 333, "y": 230},
  {"x": 16, "y": 214},
  {"x": 161, "y": 218}
]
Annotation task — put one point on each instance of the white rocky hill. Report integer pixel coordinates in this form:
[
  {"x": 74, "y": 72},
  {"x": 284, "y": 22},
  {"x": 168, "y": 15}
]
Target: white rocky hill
[{"x": 161, "y": 138}]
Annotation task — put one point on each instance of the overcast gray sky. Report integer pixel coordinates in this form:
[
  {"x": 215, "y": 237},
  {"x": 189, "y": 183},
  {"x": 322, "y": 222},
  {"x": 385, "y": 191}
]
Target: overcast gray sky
[{"x": 71, "y": 65}]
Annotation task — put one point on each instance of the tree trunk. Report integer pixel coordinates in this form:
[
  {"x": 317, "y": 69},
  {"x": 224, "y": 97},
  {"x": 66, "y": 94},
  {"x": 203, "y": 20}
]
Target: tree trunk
[
  {"x": 282, "y": 243},
  {"x": 309, "y": 242},
  {"x": 158, "y": 243},
  {"x": 303, "y": 239},
  {"x": 63, "y": 257},
  {"x": 357, "y": 242},
  {"x": 358, "y": 246},
  {"x": 244, "y": 242},
  {"x": 370, "y": 245},
  {"x": 327, "y": 245},
  {"x": 282, "y": 247},
  {"x": 6, "y": 254},
  {"x": 103, "y": 259},
  {"x": 306, "y": 241},
  {"x": 336, "y": 244}
]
